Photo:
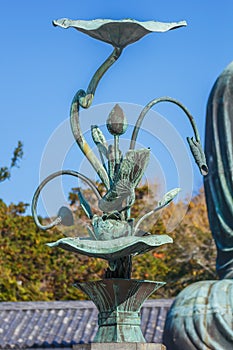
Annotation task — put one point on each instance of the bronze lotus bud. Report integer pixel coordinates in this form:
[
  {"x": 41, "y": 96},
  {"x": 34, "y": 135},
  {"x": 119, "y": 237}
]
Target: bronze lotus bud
[{"x": 116, "y": 122}]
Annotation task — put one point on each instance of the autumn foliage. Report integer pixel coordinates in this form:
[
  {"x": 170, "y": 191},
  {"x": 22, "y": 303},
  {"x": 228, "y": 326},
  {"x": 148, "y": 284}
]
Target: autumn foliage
[{"x": 30, "y": 270}]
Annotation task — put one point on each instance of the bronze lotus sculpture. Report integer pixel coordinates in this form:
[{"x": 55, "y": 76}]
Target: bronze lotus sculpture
[{"x": 114, "y": 236}]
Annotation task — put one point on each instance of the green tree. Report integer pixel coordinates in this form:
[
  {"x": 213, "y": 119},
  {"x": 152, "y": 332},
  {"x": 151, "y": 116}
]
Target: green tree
[
  {"x": 30, "y": 270},
  {"x": 190, "y": 258},
  {"x": 5, "y": 172}
]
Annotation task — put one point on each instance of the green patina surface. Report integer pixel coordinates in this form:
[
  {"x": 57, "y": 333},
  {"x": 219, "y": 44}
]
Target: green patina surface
[
  {"x": 114, "y": 236},
  {"x": 112, "y": 249},
  {"x": 119, "y": 302}
]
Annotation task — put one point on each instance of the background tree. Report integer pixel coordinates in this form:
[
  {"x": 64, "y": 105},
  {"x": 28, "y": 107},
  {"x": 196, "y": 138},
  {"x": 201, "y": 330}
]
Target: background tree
[
  {"x": 190, "y": 258},
  {"x": 5, "y": 172},
  {"x": 30, "y": 270}
]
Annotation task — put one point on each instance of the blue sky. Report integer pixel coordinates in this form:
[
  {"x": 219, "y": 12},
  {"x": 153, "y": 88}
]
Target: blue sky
[{"x": 42, "y": 67}]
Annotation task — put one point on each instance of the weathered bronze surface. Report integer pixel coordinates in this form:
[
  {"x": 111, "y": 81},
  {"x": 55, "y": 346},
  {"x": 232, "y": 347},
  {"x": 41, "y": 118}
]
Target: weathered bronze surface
[
  {"x": 118, "y": 33},
  {"x": 58, "y": 220},
  {"x": 219, "y": 182},
  {"x": 112, "y": 248},
  {"x": 202, "y": 314},
  {"x": 195, "y": 144},
  {"x": 120, "y": 346},
  {"x": 201, "y": 317},
  {"x": 113, "y": 235},
  {"x": 119, "y": 302}
]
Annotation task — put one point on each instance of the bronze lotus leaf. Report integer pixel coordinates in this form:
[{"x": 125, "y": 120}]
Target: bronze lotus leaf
[
  {"x": 112, "y": 249},
  {"x": 118, "y": 33}
]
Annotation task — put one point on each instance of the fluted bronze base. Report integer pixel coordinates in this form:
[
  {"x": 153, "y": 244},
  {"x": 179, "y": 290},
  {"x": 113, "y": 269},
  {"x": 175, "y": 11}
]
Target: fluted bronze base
[
  {"x": 120, "y": 346},
  {"x": 119, "y": 302}
]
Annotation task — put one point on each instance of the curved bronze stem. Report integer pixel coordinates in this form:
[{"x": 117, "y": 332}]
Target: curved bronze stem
[
  {"x": 84, "y": 99},
  {"x": 102, "y": 70},
  {"x": 149, "y": 106},
  {"x": 195, "y": 145},
  {"x": 44, "y": 182}
]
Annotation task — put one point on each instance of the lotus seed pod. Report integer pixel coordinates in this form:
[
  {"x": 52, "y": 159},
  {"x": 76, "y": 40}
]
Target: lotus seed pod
[{"x": 116, "y": 122}]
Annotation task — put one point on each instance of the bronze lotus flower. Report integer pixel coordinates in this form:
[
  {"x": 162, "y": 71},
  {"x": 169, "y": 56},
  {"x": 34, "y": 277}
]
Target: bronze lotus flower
[{"x": 113, "y": 235}]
